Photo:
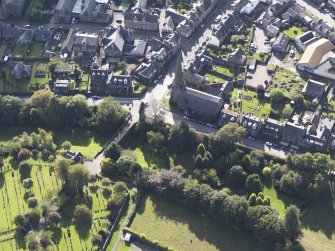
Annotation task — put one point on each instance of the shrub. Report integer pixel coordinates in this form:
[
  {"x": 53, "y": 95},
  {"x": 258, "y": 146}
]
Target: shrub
[
  {"x": 266, "y": 171},
  {"x": 97, "y": 240},
  {"x": 113, "y": 151},
  {"x": 33, "y": 217},
  {"x": 106, "y": 182},
  {"x": 32, "y": 202},
  {"x": 25, "y": 169},
  {"x": 253, "y": 183}
]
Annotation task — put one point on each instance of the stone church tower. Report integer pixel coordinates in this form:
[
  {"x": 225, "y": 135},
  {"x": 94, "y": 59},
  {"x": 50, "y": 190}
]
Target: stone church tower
[{"x": 179, "y": 85}]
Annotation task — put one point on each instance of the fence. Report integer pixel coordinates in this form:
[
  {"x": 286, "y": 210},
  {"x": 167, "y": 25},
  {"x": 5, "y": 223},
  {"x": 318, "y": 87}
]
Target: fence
[{"x": 118, "y": 217}]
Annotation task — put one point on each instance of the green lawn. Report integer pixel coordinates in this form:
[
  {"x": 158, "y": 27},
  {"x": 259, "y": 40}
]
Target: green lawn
[
  {"x": 319, "y": 224},
  {"x": 87, "y": 142},
  {"x": 212, "y": 78},
  {"x": 10, "y": 85},
  {"x": 147, "y": 158},
  {"x": 249, "y": 102},
  {"x": 293, "y": 32},
  {"x": 32, "y": 50},
  {"x": 38, "y": 81},
  {"x": 173, "y": 225}
]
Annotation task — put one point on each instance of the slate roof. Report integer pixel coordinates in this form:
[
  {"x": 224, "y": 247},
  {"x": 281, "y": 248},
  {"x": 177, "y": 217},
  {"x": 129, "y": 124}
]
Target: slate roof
[
  {"x": 137, "y": 49},
  {"x": 281, "y": 42},
  {"x": 294, "y": 131},
  {"x": 238, "y": 57},
  {"x": 140, "y": 16},
  {"x": 119, "y": 81},
  {"x": 315, "y": 87},
  {"x": 202, "y": 102},
  {"x": 19, "y": 70},
  {"x": 11, "y": 31},
  {"x": 26, "y": 37}
]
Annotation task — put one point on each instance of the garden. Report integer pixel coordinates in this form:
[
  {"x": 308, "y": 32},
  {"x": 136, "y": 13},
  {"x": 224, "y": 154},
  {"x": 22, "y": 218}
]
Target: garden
[
  {"x": 289, "y": 82},
  {"x": 294, "y": 31},
  {"x": 33, "y": 50}
]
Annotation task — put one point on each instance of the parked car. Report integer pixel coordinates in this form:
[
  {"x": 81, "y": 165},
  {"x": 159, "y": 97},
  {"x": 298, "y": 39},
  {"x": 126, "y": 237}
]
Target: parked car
[
  {"x": 332, "y": 15},
  {"x": 267, "y": 143}
]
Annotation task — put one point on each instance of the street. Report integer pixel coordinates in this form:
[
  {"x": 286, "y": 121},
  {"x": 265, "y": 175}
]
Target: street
[{"x": 313, "y": 9}]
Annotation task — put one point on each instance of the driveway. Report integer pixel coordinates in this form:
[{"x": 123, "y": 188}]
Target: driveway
[{"x": 259, "y": 39}]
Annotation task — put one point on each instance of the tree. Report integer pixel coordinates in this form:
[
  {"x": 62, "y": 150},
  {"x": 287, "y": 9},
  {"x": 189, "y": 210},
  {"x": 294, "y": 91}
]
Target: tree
[
  {"x": 82, "y": 215},
  {"x": 45, "y": 239},
  {"x": 66, "y": 145},
  {"x": 277, "y": 96},
  {"x": 201, "y": 150},
  {"x": 107, "y": 165},
  {"x": 198, "y": 162},
  {"x": 25, "y": 169},
  {"x": 292, "y": 223},
  {"x": 97, "y": 240},
  {"x": 156, "y": 140},
  {"x": 10, "y": 108},
  {"x": 113, "y": 151},
  {"x": 24, "y": 154},
  {"x": 53, "y": 217},
  {"x": 231, "y": 132},
  {"x": 252, "y": 199},
  {"x": 78, "y": 176},
  {"x": 109, "y": 116},
  {"x": 22, "y": 224},
  {"x": 237, "y": 176},
  {"x": 123, "y": 164},
  {"x": 135, "y": 169},
  {"x": 62, "y": 166},
  {"x": 33, "y": 217},
  {"x": 28, "y": 183},
  {"x": 253, "y": 183},
  {"x": 120, "y": 190},
  {"x": 32, "y": 202}
]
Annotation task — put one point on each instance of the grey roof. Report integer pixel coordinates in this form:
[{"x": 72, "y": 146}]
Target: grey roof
[
  {"x": 89, "y": 39},
  {"x": 315, "y": 87},
  {"x": 202, "y": 102},
  {"x": 228, "y": 116},
  {"x": 19, "y": 70},
  {"x": 251, "y": 123},
  {"x": 65, "y": 5},
  {"x": 176, "y": 17},
  {"x": 137, "y": 49},
  {"x": 119, "y": 81},
  {"x": 272, "y": 125},
  {"x": 11, "y": 31},
  {"x": 26, "y": 37},
  {"x": 69, "y": 41},
  {"x": 294, "y": 131},
  {"x": 140, "y": 16},
  {"x": 238, "y": 57},
  {"x": 281, "y": 42}
]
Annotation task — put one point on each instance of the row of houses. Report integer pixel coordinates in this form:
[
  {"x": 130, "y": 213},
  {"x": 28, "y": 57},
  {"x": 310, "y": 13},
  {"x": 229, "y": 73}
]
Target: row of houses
[
  {"x": 151, "y": 68},
  {"x": 24, "y": 36},
  {"x": 315, "y": 133},
  {"x": 195, "y": 17},
  {"x": 67, "y": 11}
]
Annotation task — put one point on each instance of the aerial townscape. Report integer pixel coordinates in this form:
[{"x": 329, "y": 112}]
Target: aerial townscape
[{"x": 168, "y": 125}]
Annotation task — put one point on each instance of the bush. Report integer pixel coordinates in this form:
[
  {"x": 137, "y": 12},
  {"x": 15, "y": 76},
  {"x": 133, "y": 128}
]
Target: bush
[
  {"x": 25, "y": 169},
  {"x": 32, "y": 202},
  {"x": 97, "y": 240},
  {"x": 33, "y": 217},
  {"x": 266, "y": 171},
  {"x": 123, "y": 164}
]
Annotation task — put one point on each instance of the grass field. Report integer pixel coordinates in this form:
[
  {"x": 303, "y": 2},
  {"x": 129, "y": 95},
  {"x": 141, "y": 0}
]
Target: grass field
[{"x": 180, "y": 228}]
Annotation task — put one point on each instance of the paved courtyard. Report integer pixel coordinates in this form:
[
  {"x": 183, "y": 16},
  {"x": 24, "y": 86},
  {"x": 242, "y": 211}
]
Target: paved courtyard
[{"x": 257, "y": 77}]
